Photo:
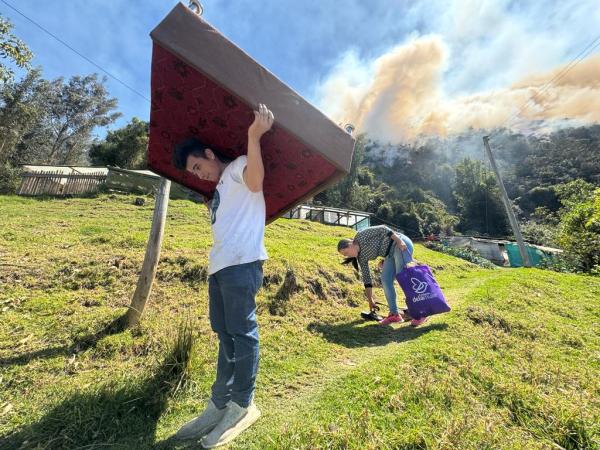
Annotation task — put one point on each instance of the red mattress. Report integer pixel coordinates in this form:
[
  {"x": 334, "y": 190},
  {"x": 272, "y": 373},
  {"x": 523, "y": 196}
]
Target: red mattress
[{"x": 204, "y": 86}]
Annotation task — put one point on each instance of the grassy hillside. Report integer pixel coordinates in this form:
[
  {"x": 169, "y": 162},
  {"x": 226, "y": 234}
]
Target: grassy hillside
[{"x": 516, "y": 364}]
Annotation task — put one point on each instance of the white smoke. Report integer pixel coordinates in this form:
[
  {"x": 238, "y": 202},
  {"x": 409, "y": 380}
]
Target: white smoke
[{"x": 468, "y": 76}]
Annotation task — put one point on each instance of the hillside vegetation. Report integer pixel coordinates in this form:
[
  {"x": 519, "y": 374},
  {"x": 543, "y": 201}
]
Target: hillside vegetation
[{"x": 516, "y": 364}]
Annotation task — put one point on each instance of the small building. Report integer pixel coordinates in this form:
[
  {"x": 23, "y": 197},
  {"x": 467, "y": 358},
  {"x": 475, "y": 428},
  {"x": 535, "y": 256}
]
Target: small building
[
  {"x": 490, "y": 249},
  {"x": 502, "y": 252},
  {"x": 357, "y": 220},
  {"x": 536, "y": 253}
]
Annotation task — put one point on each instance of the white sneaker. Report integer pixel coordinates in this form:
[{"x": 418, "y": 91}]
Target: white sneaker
[
  {"x": 202, "y": 424},
  {"x": 234, "y": 422}
]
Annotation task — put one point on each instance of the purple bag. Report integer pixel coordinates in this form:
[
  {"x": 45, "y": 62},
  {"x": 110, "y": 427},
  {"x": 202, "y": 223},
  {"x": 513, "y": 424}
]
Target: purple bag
[{"x": 423, "y": 295}]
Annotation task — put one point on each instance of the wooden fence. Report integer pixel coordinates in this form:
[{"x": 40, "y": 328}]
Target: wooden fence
[{"x": 61, "y": 184}]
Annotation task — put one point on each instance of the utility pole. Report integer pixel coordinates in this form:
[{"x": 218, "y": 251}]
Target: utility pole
[{"x": 507, "y": 205}]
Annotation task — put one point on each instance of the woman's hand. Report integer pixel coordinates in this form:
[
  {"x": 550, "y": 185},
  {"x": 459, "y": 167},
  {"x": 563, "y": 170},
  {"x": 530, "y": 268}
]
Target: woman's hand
[
  {"x": 373, "y": 306},
  {"x": 399, "y": 242},
  {"x": 370, "y": 299}
]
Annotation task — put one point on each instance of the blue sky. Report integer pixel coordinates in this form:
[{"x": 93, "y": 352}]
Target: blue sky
[
  {"x": 297, "y": 41},
  {"x": 487, "y": 45}
]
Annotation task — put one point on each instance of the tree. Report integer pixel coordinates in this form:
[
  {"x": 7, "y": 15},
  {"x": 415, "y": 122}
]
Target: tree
[
  {"x": 13, "y": 49},
  {"x": 75, "y": 109},
  {"x": 559, "y": 157},
  {"x": 404, "y": 183},
  {"x": 434, "y": 217},
  {"x": 23, "y": 105},
  {"x": 538, "y": 197},
  {"x": 478, "y": 199},
  {"x": 125, "y": 147},
  {"x": 579, "y": 228},
  {"x": 574, "y": 193},
  {"x": 51, "y": 122}
]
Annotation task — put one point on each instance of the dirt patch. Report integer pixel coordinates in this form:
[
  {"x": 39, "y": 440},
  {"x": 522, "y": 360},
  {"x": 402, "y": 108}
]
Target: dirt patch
[
  {"x": 289, "y": 286},
  {"x": 182, "y": 269},
  {"x": 344, "y": 277},
  {"x": 316, "y": 287},
  {"x": 326, "y": 275},
  {"x": 272, "y": 279},
  {"x": 90, "y": 302},
  {"x": 278, "y": 304}
]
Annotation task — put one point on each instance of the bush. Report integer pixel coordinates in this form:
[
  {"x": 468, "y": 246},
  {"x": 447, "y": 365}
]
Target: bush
[
  {"x": 539, "y": 197},
  {"x": 565, "y": 263},
  {"x": 539, "y": 233},
  {"x": 10, "y": 178},
  {"x": 579, "y": 229}
]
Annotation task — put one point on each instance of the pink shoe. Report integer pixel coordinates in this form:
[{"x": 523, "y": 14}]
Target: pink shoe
[
  {"x": 418, "y": 322},
  {"x": 391, "y": 318}
]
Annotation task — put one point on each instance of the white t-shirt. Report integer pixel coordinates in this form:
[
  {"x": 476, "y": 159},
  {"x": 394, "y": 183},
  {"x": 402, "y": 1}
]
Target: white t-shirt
[{"x": 237, "y": 216}]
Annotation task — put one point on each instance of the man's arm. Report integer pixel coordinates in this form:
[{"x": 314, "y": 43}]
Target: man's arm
[{"x": 254, "y": 173}]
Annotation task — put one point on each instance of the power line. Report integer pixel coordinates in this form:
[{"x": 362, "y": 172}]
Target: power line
[
  {"x": 75, "y": 51},
  {"x": 580, "y": 57},
  {"x": 549, "y": 83}
]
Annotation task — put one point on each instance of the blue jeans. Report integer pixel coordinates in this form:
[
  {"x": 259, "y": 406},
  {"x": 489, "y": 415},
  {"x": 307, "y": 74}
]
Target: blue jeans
[
  {"x": 232, "y": 311},
  {"x": 394, "y": 263}
]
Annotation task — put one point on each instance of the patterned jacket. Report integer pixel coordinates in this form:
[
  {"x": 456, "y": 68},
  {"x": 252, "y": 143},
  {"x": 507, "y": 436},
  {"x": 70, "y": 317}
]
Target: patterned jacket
[{"x": 373, "y": 242}]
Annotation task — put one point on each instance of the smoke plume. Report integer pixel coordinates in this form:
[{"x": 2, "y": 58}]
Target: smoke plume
[{"x": 400, "y": 95}]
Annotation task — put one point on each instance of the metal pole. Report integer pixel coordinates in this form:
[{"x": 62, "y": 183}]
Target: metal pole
[{"x": 507, "y": 205}]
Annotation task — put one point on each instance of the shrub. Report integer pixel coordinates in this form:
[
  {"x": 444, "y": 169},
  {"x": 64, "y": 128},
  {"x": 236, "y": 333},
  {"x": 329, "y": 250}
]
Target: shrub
[{"x": 10, "y": 178}]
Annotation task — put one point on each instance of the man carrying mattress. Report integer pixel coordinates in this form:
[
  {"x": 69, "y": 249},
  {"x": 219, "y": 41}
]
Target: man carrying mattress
[{"x": 235, "y": 276}]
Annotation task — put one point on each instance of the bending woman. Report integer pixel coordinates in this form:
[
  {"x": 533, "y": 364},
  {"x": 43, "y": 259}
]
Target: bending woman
[{"x": 397, "y": 250}]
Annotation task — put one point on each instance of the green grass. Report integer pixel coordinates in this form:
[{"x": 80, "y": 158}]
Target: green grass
[{"x": 516, "y": 363}]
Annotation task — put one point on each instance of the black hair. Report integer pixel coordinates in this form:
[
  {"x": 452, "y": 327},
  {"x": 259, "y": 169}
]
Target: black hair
[
  {"x": 352, "y": 261},
  {"x": 345, "y": 243},
  {"x": 193, "y": 146}
]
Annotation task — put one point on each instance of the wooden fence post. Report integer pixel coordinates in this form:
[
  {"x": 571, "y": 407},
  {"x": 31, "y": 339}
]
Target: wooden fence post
[{"x": 144, "y": 285}]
